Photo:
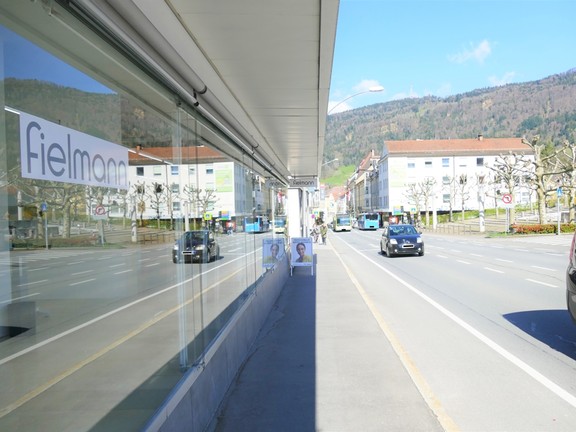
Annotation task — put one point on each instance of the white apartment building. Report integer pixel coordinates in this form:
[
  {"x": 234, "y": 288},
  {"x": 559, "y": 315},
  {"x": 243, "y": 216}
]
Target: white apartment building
[
  {"x": 231, "y": 189},
  {"x": 443, "y": 163}
]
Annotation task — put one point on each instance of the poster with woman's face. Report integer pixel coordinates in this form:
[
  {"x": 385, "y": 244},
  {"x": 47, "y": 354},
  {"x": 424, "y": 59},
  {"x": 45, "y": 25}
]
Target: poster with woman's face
[
  {"x": 301, "y": 251},
  {"x": 272, "y": 251}
]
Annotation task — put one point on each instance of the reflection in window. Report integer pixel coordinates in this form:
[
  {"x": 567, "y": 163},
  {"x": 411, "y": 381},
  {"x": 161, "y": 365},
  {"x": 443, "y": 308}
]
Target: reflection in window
[{"x": 112, "y": 274}]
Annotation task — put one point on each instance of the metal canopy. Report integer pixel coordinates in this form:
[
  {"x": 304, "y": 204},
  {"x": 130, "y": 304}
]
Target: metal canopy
[{"x": 261, "y": 67}]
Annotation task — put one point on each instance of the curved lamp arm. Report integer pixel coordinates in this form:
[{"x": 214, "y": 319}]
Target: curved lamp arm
[{"x": 370, "y": 90}]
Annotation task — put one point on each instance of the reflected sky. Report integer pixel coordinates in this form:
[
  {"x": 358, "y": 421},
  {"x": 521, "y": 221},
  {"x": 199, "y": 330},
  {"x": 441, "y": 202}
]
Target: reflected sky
[{"x": 24, "y": 60}]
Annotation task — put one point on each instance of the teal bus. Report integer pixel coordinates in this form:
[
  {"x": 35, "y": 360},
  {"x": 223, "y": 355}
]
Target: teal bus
[
  {"x": 368, "y": 221},
  {"x": 342, "y": 222},
  {"x": 256, "y": 224}
]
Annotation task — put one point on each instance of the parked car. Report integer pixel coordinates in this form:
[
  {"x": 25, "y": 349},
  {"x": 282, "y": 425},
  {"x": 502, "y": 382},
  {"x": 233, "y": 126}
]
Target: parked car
[
  {"x": 571, "y": 281},
  {"x": 197, "y": 245},
  {"x": 401, "y": 239}
]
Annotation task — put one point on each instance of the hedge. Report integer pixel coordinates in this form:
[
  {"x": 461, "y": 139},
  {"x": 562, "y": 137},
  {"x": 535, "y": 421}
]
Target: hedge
[{"x": 542, "y": 228}]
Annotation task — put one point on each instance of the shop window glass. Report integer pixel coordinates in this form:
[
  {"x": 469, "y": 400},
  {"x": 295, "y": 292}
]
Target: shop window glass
[{"x": 107, "y": 229}]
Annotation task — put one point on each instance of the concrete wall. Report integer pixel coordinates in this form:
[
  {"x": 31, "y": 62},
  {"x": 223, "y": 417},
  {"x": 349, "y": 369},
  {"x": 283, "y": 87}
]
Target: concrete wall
[{"x": 195, "y": 401}]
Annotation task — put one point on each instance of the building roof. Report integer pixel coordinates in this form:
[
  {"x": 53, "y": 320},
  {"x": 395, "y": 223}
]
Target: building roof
[
  {"x": 337, "y": 192},
  {"x": 173, "y": 155},
  {"x": 367, "y": 161},
  {"x": 455, "y": 147}
]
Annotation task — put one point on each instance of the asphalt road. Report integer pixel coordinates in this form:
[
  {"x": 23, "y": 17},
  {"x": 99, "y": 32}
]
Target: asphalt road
[
  {"x": 130, "y": 308},
  {"x": 482, "y": 322}
]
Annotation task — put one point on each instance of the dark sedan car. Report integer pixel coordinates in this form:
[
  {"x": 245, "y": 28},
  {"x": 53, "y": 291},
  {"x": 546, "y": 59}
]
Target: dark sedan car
[
  {"x": 197, "y": 245},
  {"x": 401, "y": 239},
  {"x": 571, "y": 281}
]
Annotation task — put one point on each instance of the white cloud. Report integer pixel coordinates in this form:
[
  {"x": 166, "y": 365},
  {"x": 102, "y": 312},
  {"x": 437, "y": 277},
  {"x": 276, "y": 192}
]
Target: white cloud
[
  {"x": 476, "y": 53},
  {"x": 366, "y": 85},
  {"x": 505, "y": 79}
]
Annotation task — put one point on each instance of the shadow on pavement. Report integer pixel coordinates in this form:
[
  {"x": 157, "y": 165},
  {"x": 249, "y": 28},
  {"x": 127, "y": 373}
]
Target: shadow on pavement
[{"x": 552, "y": 327}]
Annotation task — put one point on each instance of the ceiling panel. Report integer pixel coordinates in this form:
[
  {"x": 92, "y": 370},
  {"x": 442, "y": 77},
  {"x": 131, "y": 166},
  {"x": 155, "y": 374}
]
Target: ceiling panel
[{"x": 268, "y": 62}]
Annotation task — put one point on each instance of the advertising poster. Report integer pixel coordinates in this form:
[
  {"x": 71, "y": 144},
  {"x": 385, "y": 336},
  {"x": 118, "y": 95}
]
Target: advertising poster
[
  {"x": 302, "y": 254},
  {"x": 272, "y": 251}
]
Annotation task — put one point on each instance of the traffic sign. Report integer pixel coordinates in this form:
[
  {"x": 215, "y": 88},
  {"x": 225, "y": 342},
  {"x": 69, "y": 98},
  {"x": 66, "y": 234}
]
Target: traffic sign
[
  {"x": 507, "y": 200},
  {"x": 99, "y": 213}
]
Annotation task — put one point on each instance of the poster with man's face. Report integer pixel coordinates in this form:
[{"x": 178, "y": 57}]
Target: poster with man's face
[
  {"x": 301, "y": 250},
  {"x": 272, "y": 251}
]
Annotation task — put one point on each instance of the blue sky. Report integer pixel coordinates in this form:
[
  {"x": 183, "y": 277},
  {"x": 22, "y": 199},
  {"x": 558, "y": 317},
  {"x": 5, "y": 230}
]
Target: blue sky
[{"x": 446, "y": 47}]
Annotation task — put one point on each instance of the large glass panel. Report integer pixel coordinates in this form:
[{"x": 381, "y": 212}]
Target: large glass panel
[{"x": 128, "y": 241}]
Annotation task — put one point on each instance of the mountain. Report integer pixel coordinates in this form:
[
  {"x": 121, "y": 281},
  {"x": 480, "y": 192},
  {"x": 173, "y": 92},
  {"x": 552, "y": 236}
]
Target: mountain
[{"x": 545, "y": 107}]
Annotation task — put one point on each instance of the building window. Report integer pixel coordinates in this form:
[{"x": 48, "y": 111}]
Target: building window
[
  {"x": 157, "y": 171},
  {"x": 445, "y": 162},
  {"x": 176, "y": 206},
  {"x": 446, "y": 180},
  {"x": 174, "y": 169},
  {"x": 175, "y": 188},
  {"x": 411, "y": 165},
  {"x": 428, "y": 164},
  {"x": 139, "y": 171},
  {"x": 209, "y": 170},
  {"x": 480, "y": 161},
  {"x": 446, "y": 198},
  {"x": 191, "y": 169}
]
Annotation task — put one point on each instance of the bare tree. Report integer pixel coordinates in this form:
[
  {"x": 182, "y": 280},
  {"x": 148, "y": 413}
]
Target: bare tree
[
  {"x": 462, "y": 186},
  {"x": 448, "y": 185},
  {"x": 139, "y": 193},
  {"x": 201, "y": 200},
  {"x": 413, "y": 194},
  {"x": 426, "y": 187},
  {"x": 58, "y": 197},
  {"x": 157, "y": 196},
  {"x": 545, "y": 170},
  {"x": 508, "y": 170},
  {"x": 567, "y": 160}
]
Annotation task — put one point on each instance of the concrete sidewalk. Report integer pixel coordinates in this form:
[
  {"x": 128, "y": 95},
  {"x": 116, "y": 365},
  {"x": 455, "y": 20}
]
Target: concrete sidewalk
[{"x": 322, "y": 363}]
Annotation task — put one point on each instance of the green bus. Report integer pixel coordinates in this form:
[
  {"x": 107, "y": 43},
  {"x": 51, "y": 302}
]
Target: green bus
[{"x": 342, "y": 222}]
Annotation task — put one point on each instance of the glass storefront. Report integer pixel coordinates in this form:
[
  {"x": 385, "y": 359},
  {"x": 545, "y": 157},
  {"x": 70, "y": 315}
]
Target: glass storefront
[{"x": 101, "y": 174}]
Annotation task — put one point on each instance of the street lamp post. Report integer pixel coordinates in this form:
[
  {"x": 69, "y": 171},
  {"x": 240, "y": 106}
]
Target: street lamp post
[
  {"x": 330, "y": 161},
  {"x": 370, "y": 90}
]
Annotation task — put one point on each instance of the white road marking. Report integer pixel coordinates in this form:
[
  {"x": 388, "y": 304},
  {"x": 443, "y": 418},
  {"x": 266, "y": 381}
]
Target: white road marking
[
  {"x": 493, "y": 270},
  {"x": 81, "y": 282},
  {"x": 542, "y": 283},
  {"x": 33, "y": 283},
  {"x": 543, "y": 268},
  {"x": 503, "y": 260},
  {"x": 529, "y": 370}
]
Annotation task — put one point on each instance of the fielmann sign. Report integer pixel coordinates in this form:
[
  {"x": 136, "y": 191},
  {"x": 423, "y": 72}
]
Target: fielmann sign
[{"x": 49, "y": 151}]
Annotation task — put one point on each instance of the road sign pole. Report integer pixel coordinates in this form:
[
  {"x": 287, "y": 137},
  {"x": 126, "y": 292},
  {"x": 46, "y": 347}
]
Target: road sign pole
[
  {"x": 46, "y": 229},
  {"x": 558, "y": 211},
  {"x": 558, "y": 195}
]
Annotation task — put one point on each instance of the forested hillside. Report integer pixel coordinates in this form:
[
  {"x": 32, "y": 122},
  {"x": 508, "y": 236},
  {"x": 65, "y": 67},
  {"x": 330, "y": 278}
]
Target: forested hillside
[{"x": 546, "y": 107}]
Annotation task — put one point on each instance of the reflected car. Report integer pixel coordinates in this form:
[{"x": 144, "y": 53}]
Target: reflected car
[
  {"x": 571, "y": 281},
  {"x": 199, "y": 245},
  {"x": 401, "y": 239}
]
